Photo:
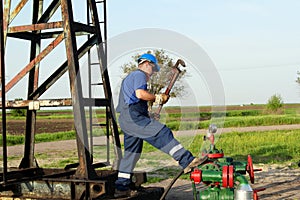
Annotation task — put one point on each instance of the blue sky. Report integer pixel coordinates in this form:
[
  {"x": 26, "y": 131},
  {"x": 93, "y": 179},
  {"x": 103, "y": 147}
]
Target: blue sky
[{"x": 255, "y": 45}]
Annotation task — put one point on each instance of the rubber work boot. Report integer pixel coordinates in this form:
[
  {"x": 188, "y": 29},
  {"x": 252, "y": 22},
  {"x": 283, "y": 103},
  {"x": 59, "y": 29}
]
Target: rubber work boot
[
  {"x": 195, "y": 163},
  {"x": 125, "y": 193}
]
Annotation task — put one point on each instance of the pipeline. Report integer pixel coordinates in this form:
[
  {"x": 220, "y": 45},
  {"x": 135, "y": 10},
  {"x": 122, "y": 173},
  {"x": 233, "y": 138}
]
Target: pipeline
[{"x": 222, "y": 177}]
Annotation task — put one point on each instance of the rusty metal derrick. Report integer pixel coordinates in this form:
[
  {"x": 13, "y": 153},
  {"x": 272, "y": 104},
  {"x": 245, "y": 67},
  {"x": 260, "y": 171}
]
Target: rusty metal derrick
[{"x": 79, "y": 180}]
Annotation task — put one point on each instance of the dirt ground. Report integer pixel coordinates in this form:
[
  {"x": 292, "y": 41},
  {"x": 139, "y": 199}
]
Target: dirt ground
[
  {"x": 280, "y": 182},
  {"x": 17, "y": 127}
]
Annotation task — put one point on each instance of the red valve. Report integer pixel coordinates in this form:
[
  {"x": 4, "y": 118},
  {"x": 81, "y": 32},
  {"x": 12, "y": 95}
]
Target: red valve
[
  {"x": 249, "y": 169},
  {"x": 225, "y": 176},
  {"x": 230, "y": 176},
  {"x": 215, "y": 155},
  {"x": 196, "y": 176},
  {"x": 255, "y": 191}
]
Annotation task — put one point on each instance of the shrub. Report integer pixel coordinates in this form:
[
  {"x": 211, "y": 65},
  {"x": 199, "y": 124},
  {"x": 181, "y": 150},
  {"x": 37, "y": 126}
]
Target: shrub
[
  {"x": 275, "y": 104},
  {"x": 18, "y": 112}
]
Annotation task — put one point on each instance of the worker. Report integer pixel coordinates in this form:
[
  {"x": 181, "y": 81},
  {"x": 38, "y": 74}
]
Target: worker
[{"x": 137, "y": 125}]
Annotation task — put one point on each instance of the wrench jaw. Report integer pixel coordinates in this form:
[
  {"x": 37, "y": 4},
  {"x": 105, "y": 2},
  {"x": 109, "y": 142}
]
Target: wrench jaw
[{"x": 181, "y": 62}]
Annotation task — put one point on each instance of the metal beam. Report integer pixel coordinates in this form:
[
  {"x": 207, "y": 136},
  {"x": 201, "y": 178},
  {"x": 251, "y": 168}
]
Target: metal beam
[
  {"x": 28, "y": 160},
  {"x": 62, "y": 69},
  {"x": 35, "y": 27},
  {"x": 66, "y": 29},
  {"x": 24, "y": 36},
  {"x": 6, "y": 17},
  {"x": 17, "y": 9},
  {"x": 49, "y": 12},
  {"x": 27, "y": 68},
  {"x": 37, "y": 104},
  {"x": 85, "y": 169},
  {"x": 3, "y": 98}
]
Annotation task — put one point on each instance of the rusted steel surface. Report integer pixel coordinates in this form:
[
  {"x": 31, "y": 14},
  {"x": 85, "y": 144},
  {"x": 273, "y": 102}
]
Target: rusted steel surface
[
  {"x": 6, "y": 16},
  {"x": 58, "y": 189},
  {"x": 62, "y": 69},
  {"x": 75, "y": 190},
  {"x": 83, "y": 28},
  {"x": 25, "y": 36},
  {"x": 49, "y": 12},
  {"x": 3, "y": 97},
  {"x": 79, "y": 181},
  {"x": 16, "y": 11},
  {"x": 37, "y": 103},
  {"x": 55, "y": 184},
  {"x": 38, "y": 183},
  {"x": 26, "y": 69},
  {"x": 28, "y": 159},
  {"x": 84, "y": 170},
  {"x": 35, "y": 27}
]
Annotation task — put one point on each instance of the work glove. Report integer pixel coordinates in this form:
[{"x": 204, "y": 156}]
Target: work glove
[{"x": 161, "y": 99}]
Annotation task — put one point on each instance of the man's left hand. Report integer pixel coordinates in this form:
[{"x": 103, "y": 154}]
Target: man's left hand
[{"x": 161, "y": 99}]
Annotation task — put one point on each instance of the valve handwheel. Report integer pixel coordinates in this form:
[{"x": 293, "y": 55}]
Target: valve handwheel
[
  {"x": 249, "y": 169},
  {"x": 225, "y": 176},
  {"x": 230, "y": 176}
]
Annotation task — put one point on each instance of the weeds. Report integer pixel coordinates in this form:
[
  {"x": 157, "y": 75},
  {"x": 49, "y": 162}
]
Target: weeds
[{"x": 268, "y": 147}]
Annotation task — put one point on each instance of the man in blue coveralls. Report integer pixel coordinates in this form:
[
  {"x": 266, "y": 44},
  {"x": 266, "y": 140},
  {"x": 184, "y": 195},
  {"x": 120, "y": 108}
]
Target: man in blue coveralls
[{"x": 137, "y": 126}]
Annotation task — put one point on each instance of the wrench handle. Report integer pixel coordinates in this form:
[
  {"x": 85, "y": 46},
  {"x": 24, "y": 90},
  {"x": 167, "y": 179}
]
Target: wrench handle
[{"x": 176, "y": 71}]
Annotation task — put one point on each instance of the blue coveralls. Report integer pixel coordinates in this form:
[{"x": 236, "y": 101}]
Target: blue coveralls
[{"x": 138, "y": 126}]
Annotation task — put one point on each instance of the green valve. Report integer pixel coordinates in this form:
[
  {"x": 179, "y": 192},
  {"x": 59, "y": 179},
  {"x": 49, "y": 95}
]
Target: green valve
[
  {"x": 216, "y": 193},
  {"x": 222, "y": 177}
]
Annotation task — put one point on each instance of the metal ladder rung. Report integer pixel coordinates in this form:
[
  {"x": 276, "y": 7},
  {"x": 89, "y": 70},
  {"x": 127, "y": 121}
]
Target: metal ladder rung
[
  {"x": 99, "y": 145},
  {"x": 95, "y": 64},
  {"x": 100, "y": 22},
  {"x": 95, "y": 165},
  {"x": 100, "y": 124},
  {"x": 97, "y": 84}
]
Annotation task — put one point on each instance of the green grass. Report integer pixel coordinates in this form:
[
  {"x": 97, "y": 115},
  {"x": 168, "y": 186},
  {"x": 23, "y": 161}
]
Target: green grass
[
  {"x": 263, "y": 120},
  {"x": 175, "y": 125},
  {"x": 268, "y": 147},
  {"x": 54, "y": 114},
  {"x": 55, "y": 137},
  {"x": 43, "y": 137}
]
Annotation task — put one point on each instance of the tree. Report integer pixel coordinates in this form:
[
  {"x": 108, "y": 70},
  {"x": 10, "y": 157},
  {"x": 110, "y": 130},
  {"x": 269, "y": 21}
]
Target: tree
[
  {"x": 275, "y": 103},
  {"x": 298, "y": 78},
  {"x": 161, "y": 79}
]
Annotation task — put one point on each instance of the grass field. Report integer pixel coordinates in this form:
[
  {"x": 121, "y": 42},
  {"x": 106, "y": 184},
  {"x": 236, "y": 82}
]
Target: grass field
[
  {"x": 176, "y": 118},
  {"x": 267, "y": 147}
]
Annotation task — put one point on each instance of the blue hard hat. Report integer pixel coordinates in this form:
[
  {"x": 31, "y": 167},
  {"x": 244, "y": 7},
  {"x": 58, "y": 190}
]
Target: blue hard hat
[{"x": 149, "y": 57}]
